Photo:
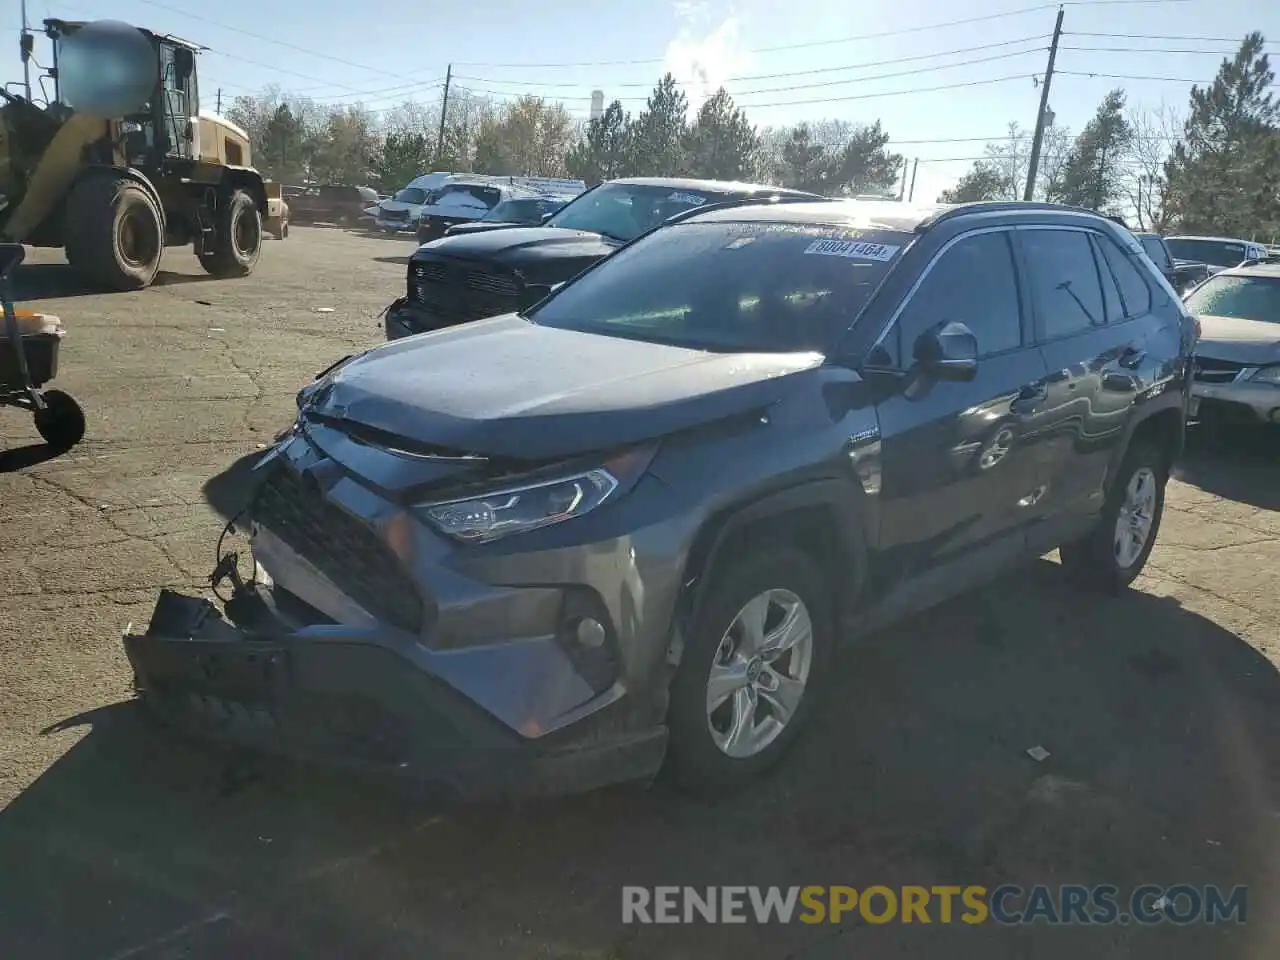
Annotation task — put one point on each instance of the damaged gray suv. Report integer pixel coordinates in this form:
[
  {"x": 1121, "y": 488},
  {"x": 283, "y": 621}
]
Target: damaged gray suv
[{"x": 630, "y": 526}]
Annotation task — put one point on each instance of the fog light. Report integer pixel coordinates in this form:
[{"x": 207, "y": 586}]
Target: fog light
[{"x": 590, "y": 633}]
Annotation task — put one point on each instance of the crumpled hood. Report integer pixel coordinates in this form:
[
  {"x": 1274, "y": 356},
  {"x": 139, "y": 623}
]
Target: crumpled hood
[
  {"x": 1253, "y": 342},
  {"x": 542, "y": 253},
  {"x": 505, "y": 387}
]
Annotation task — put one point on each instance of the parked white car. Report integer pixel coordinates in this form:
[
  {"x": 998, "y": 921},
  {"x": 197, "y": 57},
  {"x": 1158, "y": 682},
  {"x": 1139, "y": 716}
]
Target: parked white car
[{"x": 404, "y": 209}]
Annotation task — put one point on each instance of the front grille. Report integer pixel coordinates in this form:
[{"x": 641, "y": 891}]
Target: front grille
[
  {"x": 1208, "y": 370},
  {"x": 455, "y": 292},
  {"x": 395, "y": 214},
  {"x": 345, "y": 550}
]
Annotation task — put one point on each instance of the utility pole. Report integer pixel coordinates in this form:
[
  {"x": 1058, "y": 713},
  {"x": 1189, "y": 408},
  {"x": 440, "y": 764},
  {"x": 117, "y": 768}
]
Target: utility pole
[
  {"x": 902, "y": 188},
  {"x": 219, "y": 108},
  {"x": 25, "y": 45},
  {"x": 911, "y": 191},
  {"x": 1034, "y": 164},
  {"x": 444, "y": 111}
]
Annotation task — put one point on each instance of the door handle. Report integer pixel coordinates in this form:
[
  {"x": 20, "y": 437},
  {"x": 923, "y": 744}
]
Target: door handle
[
  {"x": 1029, "y": 399},
  {"x": 1132, "y": 358}
]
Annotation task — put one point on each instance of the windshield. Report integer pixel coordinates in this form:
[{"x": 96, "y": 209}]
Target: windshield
[
  {"x": 734, "y": 287},
  {"x": 1154, "y": 248},
  {"x": 516, "y": 211},
  {"x": 1219, "y": 253},
  {"x": 1248, "y": 298},
  {"x": 624, "y": 211},
  {"x": 411, "y": 195},
  {"x": 469, "y": 196}
]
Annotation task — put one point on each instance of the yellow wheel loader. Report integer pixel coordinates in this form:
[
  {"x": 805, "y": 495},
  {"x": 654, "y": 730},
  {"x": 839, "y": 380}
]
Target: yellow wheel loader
[{"x": 114, "y": 190}]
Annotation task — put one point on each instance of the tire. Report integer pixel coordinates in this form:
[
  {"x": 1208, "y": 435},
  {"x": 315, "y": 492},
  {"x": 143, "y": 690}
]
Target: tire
[
  {"x": 1102, "y": 560},
  {"x": 237, "y": 236},
  {"x": 114, "y": 235},
  {"x": 701, "y": 757},
  {"x": 61, "y": 422}
]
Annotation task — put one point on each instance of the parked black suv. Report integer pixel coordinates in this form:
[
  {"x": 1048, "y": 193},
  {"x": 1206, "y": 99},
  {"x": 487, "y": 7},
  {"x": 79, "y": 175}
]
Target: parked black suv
[
  {"x": 475, "y": 275},
  {"x": 551, "y": 549}
]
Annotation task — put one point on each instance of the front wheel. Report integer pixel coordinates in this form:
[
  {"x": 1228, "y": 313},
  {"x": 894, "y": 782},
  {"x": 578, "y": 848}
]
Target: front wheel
[
  {"x": 1113, "y": 555},
  {"x": 237, "y": 241},
  {"x": 752, "y": 666},
  {"x": 61, "y": 422}
]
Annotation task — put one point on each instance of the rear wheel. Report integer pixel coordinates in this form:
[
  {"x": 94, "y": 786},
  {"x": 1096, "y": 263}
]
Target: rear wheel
[
  {"x": 753, "y": 662},
  {"x": 1111, "y": 557},
  {"x": 237, "y": 241},
  {"x": 114, "y": 236}
]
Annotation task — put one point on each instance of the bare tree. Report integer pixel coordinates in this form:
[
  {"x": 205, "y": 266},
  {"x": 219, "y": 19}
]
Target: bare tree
[{"x": 1155, "y": 131}]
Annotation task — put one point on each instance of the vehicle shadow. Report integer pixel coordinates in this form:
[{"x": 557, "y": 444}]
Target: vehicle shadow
[
  {"x": 229, "y": 491},
  {"x": 1163, "y": 738},
  {"x": 28, "y": 455},
  {"x": 1241, "y": 464},
  {"x": 55, "y": 281},
  {"x": 401, "y": 261}
]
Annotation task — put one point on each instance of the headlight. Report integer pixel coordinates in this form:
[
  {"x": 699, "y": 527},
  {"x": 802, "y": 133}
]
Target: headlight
[
  {"x": 519, "y": 509},
  {"x": 1267, "y": 375}
]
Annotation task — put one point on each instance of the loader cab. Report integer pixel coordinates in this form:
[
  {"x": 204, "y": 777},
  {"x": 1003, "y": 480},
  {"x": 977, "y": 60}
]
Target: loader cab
[{"x": 167, "y": 127}]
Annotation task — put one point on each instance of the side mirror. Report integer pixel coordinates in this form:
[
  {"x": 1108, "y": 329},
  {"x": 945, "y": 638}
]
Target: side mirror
[
  {"x": 948, "y": 351},
  {"x": 547, "y": 216}
]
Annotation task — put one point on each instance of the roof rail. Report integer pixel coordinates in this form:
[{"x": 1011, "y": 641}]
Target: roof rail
[
  {"x": 994, "y": 206},
  {"x": 744, "y": 202}
]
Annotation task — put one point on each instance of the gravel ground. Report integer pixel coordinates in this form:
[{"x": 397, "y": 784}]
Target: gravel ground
[{"x": 1160, "y": 708}]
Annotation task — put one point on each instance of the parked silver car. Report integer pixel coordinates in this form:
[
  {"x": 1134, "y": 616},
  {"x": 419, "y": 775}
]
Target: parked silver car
[{"x": 1237, "y": 365}]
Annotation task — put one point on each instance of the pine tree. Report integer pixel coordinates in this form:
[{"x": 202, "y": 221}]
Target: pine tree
[
  {"x": 1217, "y": 178},
  {"x": 721, "y": 144}
]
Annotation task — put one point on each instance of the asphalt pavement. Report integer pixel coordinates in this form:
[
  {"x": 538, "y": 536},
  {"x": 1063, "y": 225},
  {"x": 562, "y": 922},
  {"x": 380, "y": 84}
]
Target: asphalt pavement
[{"x": 1159, "y": 709}]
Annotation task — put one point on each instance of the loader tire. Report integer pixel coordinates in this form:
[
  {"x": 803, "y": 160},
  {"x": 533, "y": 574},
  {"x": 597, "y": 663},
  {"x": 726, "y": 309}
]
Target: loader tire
[
  {"x": 237, "y": 241},
  {"x": 114, "y": 236}
]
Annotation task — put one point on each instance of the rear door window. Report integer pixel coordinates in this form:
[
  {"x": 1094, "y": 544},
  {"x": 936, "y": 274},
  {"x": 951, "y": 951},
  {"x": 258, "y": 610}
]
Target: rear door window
[
  {"x": 1134, "y": 290},
  {"x": 1064, "y": 281}
]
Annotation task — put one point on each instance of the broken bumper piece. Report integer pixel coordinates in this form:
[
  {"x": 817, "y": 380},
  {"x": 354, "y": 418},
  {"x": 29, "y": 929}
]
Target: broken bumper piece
[{"x": 319, "y": 695}]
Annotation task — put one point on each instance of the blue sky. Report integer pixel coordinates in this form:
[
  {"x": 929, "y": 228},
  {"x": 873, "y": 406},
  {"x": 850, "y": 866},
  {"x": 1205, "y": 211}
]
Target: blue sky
[{"x": 804, "y": 59}]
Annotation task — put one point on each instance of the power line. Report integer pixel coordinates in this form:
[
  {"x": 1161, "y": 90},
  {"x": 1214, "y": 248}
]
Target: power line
[
  {"x": 1216, "y": 53},
  {"x": 827, "y": 83},
  {"x": 1158, "y": 36},
  {"x": 795, "y": 46},
  {"x": 901, "y": 31},
  {"x": 780, "y": 76},
  {"x": 847, "y": 99},
  {"x": 266, "y": 39},
  {"x": 1129, "y": 76}
]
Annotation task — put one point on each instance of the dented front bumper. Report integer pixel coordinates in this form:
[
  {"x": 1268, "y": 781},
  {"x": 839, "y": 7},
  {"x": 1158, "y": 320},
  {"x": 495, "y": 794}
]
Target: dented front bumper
[{"x": 336, "y": 695}]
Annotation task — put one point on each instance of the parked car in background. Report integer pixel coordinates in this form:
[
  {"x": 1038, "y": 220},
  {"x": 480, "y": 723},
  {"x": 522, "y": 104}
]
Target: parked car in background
[
  {"x": 1218, "y": 253},
  {"x": 530, "y": 211},
  {"x": 1181, "y": 274},
  {"x": 632, "y": 525},
  {"x": 1237, "y": 364},
  {"x": 343, "y": 205},
  {"x": 475, "y": 275},
  {"x": 404, "y": 209}
]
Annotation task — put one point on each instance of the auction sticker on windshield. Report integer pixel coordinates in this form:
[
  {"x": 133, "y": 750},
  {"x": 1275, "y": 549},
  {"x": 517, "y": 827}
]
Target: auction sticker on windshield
[
  {"x": 854, "y": 249},
  {"x": 690, "y": 198}
]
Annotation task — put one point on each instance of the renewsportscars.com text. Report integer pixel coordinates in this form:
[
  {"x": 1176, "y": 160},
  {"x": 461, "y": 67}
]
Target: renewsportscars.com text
[{"x": 1067, "y": 904}]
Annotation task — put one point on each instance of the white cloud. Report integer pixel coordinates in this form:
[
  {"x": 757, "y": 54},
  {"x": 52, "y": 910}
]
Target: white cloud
[{"x": 702, "y": 57}]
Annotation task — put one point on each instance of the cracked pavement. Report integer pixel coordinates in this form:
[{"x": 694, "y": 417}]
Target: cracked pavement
[{"x": 1160, "y": 709}]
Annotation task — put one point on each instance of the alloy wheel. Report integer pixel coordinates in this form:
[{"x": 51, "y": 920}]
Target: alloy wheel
[{"x": 758, "y": 676}]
